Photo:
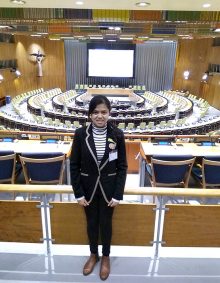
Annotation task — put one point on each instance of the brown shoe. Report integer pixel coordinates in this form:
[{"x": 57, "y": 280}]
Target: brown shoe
[
  {"x": 105, "y": 267},
  {"x": 91, "y": 262}
]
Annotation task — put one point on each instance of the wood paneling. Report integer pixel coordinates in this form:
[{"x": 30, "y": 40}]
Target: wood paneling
[
  {"x": 192, "y": 56},
  {"x": 132, "y": 150},
  {"x": 133, "y": 224},
  {"x": 20, "y": 222},
  {"x": 192, "y": 226},
  {"x": 53, "y": 67},
  {"x": 195, "y": 55},
  {"x": 7, "y": 51},
  {"x": 214, "y": 57}
]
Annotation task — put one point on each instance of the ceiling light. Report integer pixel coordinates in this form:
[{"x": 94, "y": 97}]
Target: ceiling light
[
  {"x": 42, "y": 33},
  {"x": 36, "y": 35},
  {"x": 79, "y": 3},
  {"x": 96, "y": 37},
  {"x": 206, "y": 5},
  {"x": 142, "y": 4},
  {"x": 117, "y": 28},
  {"x": 112, "y": 40},
  {"x": 110, "y": 27},
  {"x": 3, "y": 27},
  {"x": 18, "y": 2},
  {"x": 126, "y": 38},
  {"x": 111, "y": 34},
  {"x": 217, "y": 30}
]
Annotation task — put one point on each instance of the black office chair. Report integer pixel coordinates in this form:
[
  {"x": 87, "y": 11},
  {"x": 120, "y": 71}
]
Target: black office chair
[{"x": 43, "y": 168}]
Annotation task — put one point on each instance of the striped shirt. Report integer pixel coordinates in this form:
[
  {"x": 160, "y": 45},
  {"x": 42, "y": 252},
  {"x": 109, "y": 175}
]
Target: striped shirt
[{"x": 99, "y": 136}]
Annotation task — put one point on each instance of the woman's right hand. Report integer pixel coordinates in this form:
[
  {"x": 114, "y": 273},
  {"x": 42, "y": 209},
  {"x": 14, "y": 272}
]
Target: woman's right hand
[{"x": 83, "y": 202}]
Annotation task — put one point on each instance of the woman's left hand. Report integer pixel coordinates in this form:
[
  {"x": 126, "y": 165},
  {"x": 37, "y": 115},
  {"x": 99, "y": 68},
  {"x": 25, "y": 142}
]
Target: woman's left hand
[{"x": 113, "y": 203}]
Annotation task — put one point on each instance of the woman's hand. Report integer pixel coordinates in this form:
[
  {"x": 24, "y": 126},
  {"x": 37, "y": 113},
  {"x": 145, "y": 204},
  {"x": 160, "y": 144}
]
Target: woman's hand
[
  {"x": 113, "y": 203},
  {"x": 83, "y": 202}
]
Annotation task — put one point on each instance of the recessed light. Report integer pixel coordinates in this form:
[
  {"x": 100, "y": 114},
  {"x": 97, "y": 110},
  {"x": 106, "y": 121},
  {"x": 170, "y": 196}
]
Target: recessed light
[
  {"x": 18, "y": 2},
  {"x": 79, "y": 3},
  {"x": 36, "y": 35},
  {"x": 126, "y": 38},
  {"x": 96, "y": 37},
  {"x": 206, "y": 5},
  {"x": 142, "y": 4},
  {"x": 111, "y": 40},
  {"x": 7, "y": 27}
]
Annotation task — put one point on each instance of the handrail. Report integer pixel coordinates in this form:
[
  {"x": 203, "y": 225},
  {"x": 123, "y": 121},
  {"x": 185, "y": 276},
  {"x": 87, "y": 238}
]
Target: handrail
[
  {"x": 131, "y": 136},
  {"x": 153, "y": 191}
]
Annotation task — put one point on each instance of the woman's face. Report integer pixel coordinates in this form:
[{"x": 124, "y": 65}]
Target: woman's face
[{"x": 100, "y": 115}]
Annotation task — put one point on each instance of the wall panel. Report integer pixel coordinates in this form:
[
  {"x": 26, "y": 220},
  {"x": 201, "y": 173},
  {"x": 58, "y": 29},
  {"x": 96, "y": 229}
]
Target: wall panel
[{"x": 53, "y": 66}]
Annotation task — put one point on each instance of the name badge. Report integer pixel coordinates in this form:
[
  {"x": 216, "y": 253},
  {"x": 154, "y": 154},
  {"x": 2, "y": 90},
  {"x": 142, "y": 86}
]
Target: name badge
[{"x": 113, "y": 155}]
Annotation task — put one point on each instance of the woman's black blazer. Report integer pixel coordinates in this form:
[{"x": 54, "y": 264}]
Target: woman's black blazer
[{"x": 87, "y": 175}]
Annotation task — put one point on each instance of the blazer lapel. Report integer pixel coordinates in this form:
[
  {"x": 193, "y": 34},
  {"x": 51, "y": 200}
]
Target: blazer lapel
[
  {"x": 109, "y": 139},
  {"x": 90, "y": 143}
]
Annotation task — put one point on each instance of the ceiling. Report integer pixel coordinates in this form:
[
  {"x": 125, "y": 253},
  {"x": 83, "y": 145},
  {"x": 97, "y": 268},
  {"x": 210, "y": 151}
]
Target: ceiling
[
  {"x": 178, "y": 5},
  {"x": 97, "y": 19}
]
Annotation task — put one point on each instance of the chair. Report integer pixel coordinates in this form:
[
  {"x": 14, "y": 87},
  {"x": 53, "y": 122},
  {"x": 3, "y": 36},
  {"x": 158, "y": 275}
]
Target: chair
[
  {"x": 121, "y": 126},
  {"x": 68, "y": 124},
  {"x": 43, "y": 168},
  {"x": 143, "y": 125},
  {"x": 211, "y": 172},
  {"x": 76, "y": 124},
  {"x": 7, "y": 166},
  {"x": 169, "y": 170},
  {"x": 130, "y": 126}
]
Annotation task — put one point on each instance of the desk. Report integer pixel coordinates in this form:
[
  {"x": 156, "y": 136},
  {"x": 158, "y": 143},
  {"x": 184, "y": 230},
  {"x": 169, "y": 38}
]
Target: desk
[
  {"x": 36, "y": 146},
  {"x": 148, "y": 149},
  {"x": 110, "y": 91}
]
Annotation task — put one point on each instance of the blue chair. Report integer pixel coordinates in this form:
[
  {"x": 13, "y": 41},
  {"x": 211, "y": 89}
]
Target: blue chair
[
  {"x": 43, "y": 168},
  {"x": 211, "y": 172},
  {"x": 7, "y": 166},
  {"x": 7, "y": 170},
  {"x": 169, "y": 170}
]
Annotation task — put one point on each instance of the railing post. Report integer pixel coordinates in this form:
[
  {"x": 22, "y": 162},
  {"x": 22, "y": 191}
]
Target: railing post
[
  {"x": 158, "y": 240},
  {"x": 46, "y": 222}
]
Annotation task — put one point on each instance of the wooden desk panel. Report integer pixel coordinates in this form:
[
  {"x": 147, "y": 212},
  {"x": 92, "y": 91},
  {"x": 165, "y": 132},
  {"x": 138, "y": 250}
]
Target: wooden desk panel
[
  {"x": 110, "y": 91},
  {"x": 20, "y": 222},
  {"x": 192, "y": 226},
  {"x": 133, "y": 224}
]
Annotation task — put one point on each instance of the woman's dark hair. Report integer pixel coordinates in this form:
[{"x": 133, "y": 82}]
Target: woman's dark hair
[{"x": 96, "y": 100}]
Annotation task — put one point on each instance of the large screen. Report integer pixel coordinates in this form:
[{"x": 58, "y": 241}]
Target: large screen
[{"x": 111, "y": 62}]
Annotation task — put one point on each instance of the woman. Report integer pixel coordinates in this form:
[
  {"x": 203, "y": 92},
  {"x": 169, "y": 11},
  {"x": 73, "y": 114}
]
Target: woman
[{"x": 98, "y": 168}]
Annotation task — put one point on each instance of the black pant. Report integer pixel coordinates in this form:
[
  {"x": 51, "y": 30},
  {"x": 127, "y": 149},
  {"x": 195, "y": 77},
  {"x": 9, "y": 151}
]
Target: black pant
[{"x": 99, "y": 219}]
